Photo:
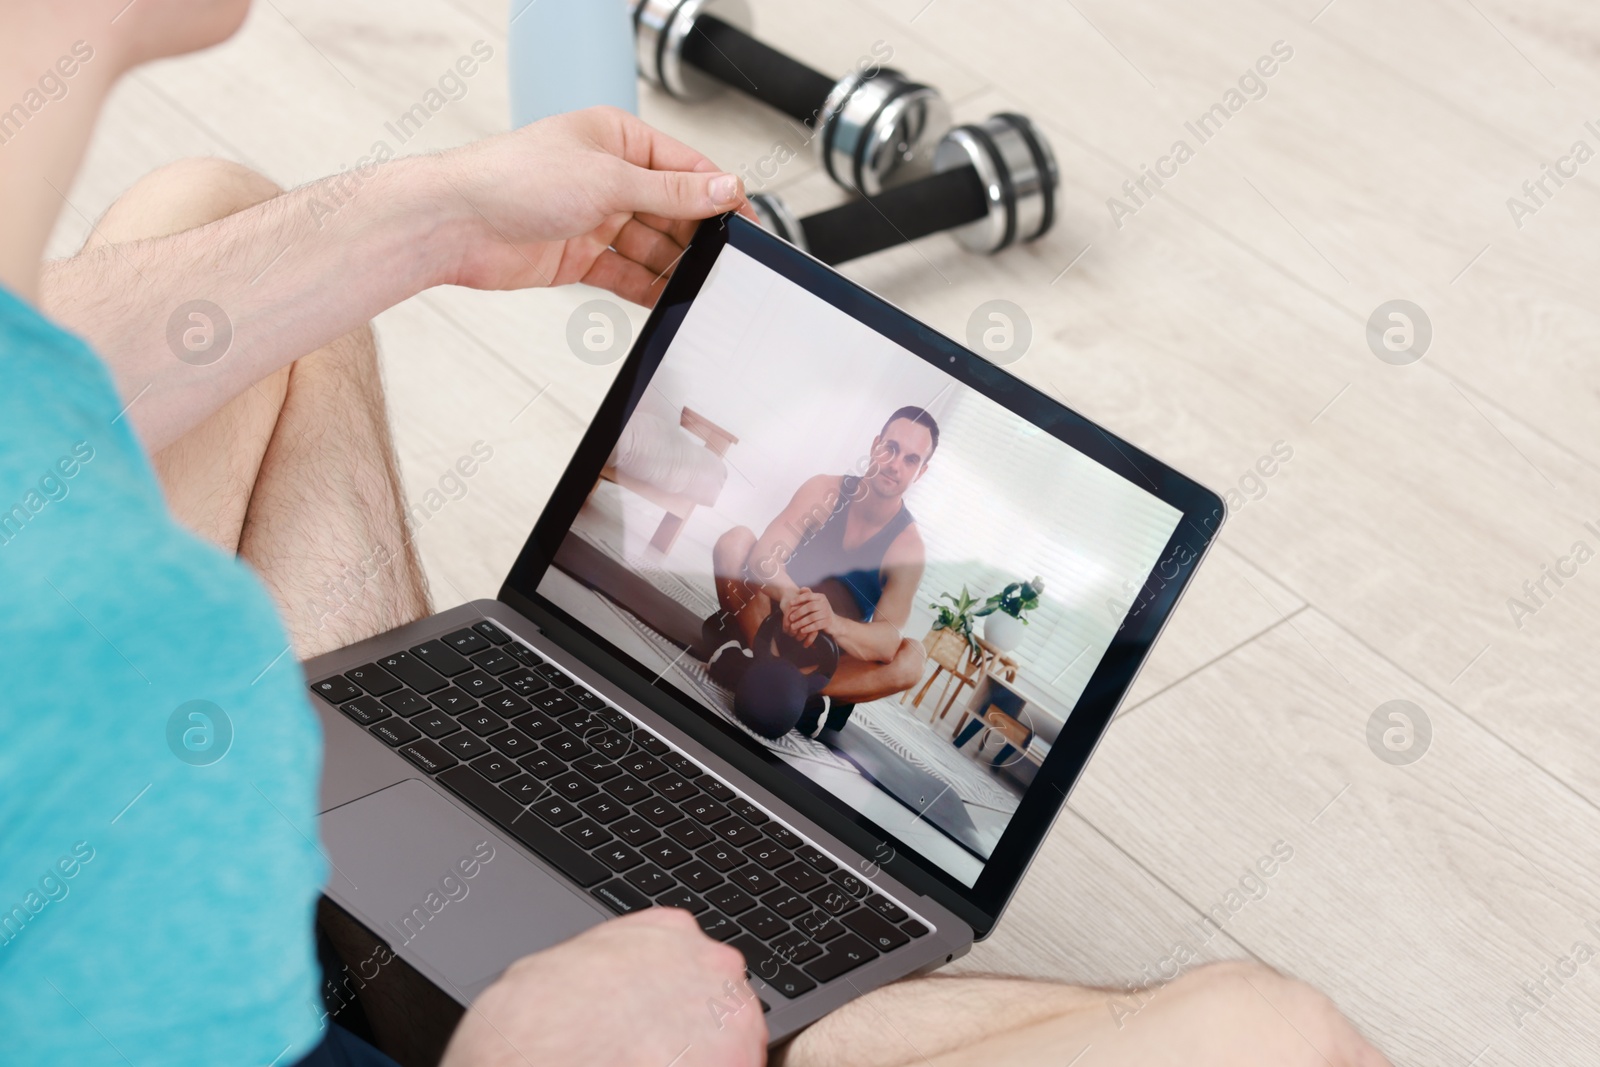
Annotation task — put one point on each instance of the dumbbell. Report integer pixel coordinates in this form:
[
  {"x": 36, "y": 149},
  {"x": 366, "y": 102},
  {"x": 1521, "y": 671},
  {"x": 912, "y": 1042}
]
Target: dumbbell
[
  {"x": 770, "y": 694},
  {"x": 994, "y": 184},
  {"x": 874, "y": 127}
]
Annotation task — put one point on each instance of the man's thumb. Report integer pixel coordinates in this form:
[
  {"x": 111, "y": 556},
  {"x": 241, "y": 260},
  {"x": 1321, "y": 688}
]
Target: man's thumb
[{"x": 682, "y": 194}]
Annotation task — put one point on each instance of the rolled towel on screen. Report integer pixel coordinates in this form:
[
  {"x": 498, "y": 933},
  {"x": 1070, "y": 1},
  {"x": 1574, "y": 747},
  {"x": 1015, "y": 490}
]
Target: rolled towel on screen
[{"x": 654, "y": 450}]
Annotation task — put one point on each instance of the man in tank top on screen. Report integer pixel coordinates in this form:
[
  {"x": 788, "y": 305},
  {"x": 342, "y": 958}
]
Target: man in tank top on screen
[{"x": 843, "y": 558}]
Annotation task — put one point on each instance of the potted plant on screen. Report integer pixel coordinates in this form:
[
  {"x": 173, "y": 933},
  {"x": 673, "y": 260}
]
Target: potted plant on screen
[
  {"x": 1005, "y": 614},
  {"x": 957, "y": 617}
]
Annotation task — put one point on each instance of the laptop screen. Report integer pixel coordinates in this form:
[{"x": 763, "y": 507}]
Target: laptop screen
[{"x": 890, "y": 583}]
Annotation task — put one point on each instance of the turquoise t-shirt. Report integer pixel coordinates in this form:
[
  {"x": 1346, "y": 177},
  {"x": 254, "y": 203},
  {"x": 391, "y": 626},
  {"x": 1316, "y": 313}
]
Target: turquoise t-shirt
[{"x": 156, "y": 901}]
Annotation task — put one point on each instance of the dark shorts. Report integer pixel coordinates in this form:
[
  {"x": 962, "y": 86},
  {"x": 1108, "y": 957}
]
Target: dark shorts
[{"x": 341, "y": 1048}]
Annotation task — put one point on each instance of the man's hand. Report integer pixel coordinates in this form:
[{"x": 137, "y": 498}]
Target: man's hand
[
  {"x": 646, "y": 990},
  {"x": 806, "y": 614},
  {"x": 593, "y": 196}
]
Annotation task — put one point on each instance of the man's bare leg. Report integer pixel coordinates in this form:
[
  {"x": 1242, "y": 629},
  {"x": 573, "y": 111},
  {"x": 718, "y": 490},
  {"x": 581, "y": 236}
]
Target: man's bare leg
[
  {"x": 730, "y": 563},
  {"x": 326, "y": 526},
  {"x": 296, "y": 475},
  {"x": 857, "y": 681},
  {"x": 1225, "y": 1015}
]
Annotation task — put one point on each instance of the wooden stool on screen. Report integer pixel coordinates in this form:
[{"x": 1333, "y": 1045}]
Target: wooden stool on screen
[{"x": 951, "y": 657}]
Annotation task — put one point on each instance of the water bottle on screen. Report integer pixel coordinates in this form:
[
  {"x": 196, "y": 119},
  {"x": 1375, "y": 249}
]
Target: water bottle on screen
[{"x": 570, "y": 54}]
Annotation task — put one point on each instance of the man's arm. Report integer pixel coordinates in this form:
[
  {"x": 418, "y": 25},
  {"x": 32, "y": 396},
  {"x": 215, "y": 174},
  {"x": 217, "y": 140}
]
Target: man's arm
[
  {"x": 810, "y": 613},
  {"x": 595, "y": 196},
  {"x": 810, "y": 506}
]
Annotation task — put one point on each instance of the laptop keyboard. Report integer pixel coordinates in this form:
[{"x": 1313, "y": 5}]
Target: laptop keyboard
[{"x": 622, "y": 813}]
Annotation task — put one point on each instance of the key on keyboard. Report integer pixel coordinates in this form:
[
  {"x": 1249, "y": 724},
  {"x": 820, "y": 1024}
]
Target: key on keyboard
[
  {"x": 442, "y": 659},
  {"x": 336, "y": 690},
  {"x": 413, "y": 672},
  {"x": 492, "y": 632},
  {"x": 374, "y": 679},
  {"x": 467, "y": 642}
]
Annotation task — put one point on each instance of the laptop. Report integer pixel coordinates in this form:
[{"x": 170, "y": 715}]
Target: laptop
[{"x": 506, "y": 774}]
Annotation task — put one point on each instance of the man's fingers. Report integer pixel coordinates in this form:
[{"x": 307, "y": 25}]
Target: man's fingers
[
  {"x": 651, "y": 248},
  {"x": 631, "y": 281},
  {"x": 680, "y": 230},
  {"x": 811, "y": 620},
  {"x": 797, "y": 605},
  {"x": 674, "y": 919}
]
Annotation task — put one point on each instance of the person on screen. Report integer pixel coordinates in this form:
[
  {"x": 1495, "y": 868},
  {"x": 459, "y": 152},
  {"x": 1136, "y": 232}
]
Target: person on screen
[{"x": 843, "y": 558}]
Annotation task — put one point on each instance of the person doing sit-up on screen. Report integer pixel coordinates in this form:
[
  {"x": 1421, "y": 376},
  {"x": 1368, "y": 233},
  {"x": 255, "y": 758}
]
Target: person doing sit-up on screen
[{"x": 842, "y": 559}]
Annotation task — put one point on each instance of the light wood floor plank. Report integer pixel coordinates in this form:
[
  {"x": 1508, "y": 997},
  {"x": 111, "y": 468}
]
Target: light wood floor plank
[
  {"x": 1088, "y": 914},
  {"x": 1420, "y": 897}
]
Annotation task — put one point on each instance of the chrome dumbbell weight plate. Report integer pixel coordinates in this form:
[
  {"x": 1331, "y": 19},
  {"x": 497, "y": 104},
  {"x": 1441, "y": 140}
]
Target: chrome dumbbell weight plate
[
  {"x": 880, "y": 128},
  {"x": 775, "y": 216},
  {"x": 659, "y": 29},
  {"x": 874, "y": 128},
  {"x": 1019, "y": 176}
]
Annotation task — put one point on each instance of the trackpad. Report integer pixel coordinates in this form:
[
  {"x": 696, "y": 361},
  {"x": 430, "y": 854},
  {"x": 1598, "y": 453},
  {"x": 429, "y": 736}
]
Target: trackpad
[{"x": 443, "y": 889}]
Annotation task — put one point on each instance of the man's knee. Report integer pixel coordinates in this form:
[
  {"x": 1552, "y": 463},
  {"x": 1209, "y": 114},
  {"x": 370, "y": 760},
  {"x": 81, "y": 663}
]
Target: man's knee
[
  {"x": 1243, "y": 981},
  {"x": 1255, "y": 998},
  {"x": 732, "y": 552},
  {"x": 357, "y": 351},
  {"x": 905, "y": 670},
  {"x": 181, "y": 196}
]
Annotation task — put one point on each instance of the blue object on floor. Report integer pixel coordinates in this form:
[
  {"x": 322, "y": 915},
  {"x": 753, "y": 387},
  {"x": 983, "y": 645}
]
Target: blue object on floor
[
  {"x": 971, "y": 729},
  {"x": 1007, "y": 749},
  {"x": 570, "y": 54}
]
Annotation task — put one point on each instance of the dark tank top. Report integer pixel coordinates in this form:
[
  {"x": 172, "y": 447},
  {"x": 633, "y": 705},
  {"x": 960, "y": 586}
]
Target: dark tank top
[{"x": 851, "y": 578}]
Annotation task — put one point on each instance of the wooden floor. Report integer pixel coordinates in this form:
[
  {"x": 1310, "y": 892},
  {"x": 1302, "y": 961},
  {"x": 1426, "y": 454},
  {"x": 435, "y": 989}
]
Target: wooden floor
[{"x": 1226, "y": 314}]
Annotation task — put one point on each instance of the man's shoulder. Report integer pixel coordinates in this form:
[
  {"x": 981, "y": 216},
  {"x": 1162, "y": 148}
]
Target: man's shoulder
[
  {"x": 907, "y": 546},
  {"x": 158, "y": 784},
  {"x": 827, "y": 482},
  {"x": 821, "y": 487}
]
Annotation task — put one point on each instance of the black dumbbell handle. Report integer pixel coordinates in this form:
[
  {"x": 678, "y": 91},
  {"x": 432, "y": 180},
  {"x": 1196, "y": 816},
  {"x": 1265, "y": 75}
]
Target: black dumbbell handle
[
  {"x": 734, "y": 58},
  {"x": 928, "y": 205}
]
